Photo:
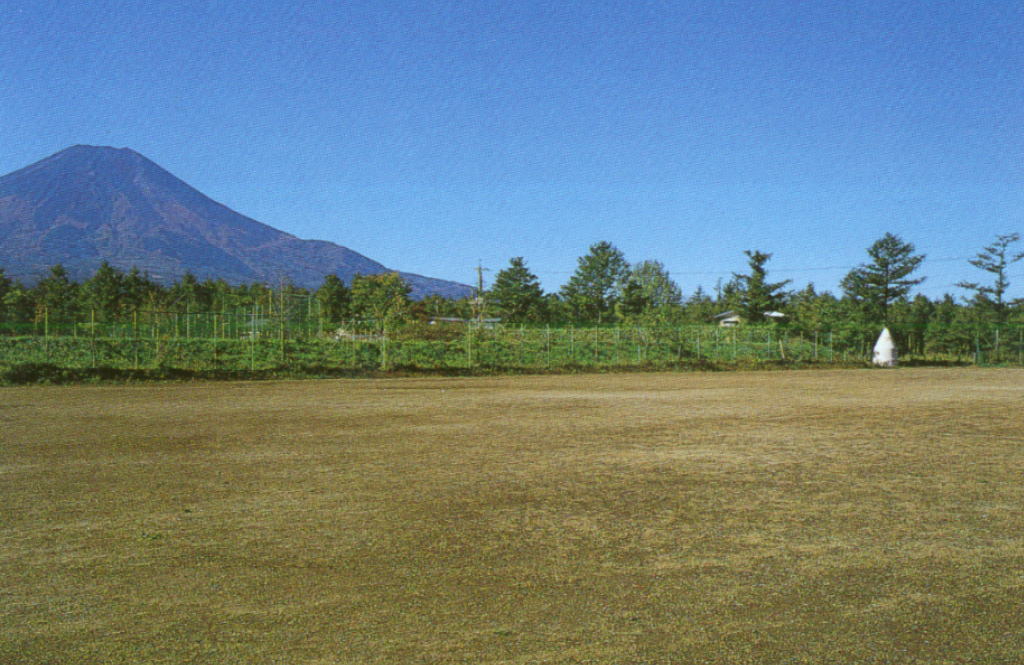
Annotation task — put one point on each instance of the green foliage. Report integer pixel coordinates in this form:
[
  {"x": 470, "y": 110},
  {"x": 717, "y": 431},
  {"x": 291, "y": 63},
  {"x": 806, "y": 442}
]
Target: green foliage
[
  {"x": 878, "y": 284},
  {"x": 6, "y": 301},
  {"x": 631, "y": 303},
  {"x": 103, "y": 294},
  {"x": 994, "y": 259},
  {"x": 699, "y": 307},
  {"x": 187, "y": 295},
  {"x": 595, "y": 287},
  {"x": 57, "y": 296},
  {"x": 757, "y": 295},
  {"x": 953, "y": 334},
  {"x": 650, "y": 296},
  {"x": 810, "y": 311},
  {"x": 335, "y": 299},
  {"x": 382, "y": 298},
  {"x": 139, "y": 292},
  {"x": 17, "y": 304},
  {"x": 516, "y": 295},
  {"x": 130, "y": 323}
]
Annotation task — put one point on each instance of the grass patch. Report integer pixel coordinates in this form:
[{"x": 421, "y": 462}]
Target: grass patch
[{"x": 733, "y": 517}]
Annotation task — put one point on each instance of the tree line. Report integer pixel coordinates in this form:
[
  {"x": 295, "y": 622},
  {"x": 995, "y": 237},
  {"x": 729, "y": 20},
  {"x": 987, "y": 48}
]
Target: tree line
[{"x": 605, "y": 289}]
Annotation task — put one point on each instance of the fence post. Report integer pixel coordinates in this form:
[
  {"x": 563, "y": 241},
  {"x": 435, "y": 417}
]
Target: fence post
[
  {"x": 281, "y": 353},
  {"x": 252, "y": 340},
  {"x": 135, "y": 339}
]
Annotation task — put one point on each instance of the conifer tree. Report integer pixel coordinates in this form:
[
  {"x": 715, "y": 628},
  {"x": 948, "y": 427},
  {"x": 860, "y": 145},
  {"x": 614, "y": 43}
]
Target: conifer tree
[
  {"x": 516, "y": 295},
  {"x": 877, "y": 285},
  {"x": 334, "y": 298},
  {"x": 758, "y": 296},
  {"x": 5, "y": 287},
  {"x": 140, "y": 291},
  {"x": 57, "y": 295},
  {"x": 994, "y": 259},
  {"x": 102, "y": 294},
  {"x": 594, "y": 288}
]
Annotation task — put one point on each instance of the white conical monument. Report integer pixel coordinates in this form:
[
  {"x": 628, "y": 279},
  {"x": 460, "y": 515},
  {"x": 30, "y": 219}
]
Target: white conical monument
[{"x": 885, "y": 350}]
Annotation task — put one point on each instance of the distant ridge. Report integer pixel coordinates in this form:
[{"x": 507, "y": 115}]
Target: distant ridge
[{"x": 89, "y": 204}]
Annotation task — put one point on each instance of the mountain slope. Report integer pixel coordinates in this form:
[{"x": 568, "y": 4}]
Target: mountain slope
[{"x": 88, "y": 204}]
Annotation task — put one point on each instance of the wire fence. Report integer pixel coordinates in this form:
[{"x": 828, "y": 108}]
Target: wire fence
[{"x": 256, "y": 340}]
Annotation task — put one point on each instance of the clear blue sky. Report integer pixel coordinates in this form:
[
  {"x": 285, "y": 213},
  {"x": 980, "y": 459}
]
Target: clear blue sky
[{"x": 429, "y": 135}]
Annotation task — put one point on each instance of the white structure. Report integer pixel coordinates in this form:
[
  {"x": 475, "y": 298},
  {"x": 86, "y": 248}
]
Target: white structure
[
  {"x": 728, "y": 319},
  {"x": 885, "y": 350},
  {"x": 733, "y": 318}
]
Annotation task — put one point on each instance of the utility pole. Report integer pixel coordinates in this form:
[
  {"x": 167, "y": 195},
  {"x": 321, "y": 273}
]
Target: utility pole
[{"x": 478, "y": 302}]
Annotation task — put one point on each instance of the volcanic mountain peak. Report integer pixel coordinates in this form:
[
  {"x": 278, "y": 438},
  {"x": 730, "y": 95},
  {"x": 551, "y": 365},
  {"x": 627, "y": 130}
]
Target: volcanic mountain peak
[{"x": 88, "y": 204}]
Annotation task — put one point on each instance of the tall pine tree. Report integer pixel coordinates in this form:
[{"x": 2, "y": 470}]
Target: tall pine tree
[
  {"x": 994, "y": 259},
  {"x": 595, "y": 287},
  {"x": 758, "y": 296},
  {"x": 875, "y": 286},
  {"x": 516, "y": 295}
]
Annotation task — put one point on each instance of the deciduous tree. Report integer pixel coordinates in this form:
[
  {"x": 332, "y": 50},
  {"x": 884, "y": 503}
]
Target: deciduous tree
[
  {"x": 382, "y": 298},
  {"x": 649, "y": 295}
]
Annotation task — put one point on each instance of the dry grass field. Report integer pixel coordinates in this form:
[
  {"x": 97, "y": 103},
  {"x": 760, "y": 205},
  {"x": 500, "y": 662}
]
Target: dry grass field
[{"x": 853, "y": 516}]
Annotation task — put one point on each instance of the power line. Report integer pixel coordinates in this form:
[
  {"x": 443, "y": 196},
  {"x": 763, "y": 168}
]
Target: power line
[{"x": 774, "y": 268}]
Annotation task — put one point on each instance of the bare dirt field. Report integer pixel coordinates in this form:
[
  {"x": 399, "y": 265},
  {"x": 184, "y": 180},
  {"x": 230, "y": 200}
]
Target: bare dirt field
[{"x": 853, "y": 516}]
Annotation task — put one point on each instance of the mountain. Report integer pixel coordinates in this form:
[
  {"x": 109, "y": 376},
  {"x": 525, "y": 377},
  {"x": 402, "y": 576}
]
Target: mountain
[{"x": 88, "y": 204}]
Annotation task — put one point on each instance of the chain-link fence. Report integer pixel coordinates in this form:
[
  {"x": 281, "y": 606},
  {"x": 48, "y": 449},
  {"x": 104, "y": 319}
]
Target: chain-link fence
[{"x": 253, "y": 339}]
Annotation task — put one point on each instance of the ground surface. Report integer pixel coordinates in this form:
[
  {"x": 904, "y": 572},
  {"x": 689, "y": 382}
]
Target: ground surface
[{"x": 851, "y": 516}]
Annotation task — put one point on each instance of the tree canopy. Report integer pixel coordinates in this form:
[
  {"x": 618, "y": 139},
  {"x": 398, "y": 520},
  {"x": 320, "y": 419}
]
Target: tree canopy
[
  {"x": 994, "y": 259},
  {"x": 886, "y": 279},
  {"x": 756, "y": 295},
  {"x": 382, "y": 298},
  {"x": 516, "y": 295},
  {"x": 595, "y": 287},
  {"x": 335, "y": 299}
]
